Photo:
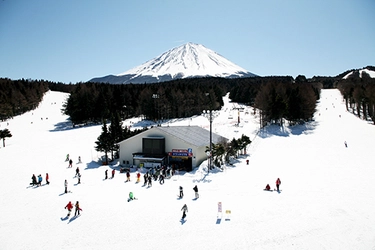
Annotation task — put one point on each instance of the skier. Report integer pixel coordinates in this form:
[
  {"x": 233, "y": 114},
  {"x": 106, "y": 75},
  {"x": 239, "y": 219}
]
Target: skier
[
  {"x": 127, "y": 176},
  {"x": 346, "y": 144},
  {"x": 33, "y": 180},
  {"x": 196, "y": 192},
  {"x": 161, "y": 179},
  {"x": 40, "y": 180},
  {"x": 184, "y": 210},
  {"x": 47, "y": 179},
  {"x": 77, "y": 171},
  {"x": 278, "y": 183},
  {"x": 181, "y": 192},
  {"x": 67, "y": 157},
  {"x": 106, "y": 174},
  {"x": 113, "y": 173},
  {"x": 69, "y": 206},
  {"x": 145, "y": 179},
  {"x": 79, "y": 159},
  {"x": 70, "y": 163},
  {"x": 268, "y": 188},
  {"x": 79, "y": 178},
  {"x": 138, "y": 177},
  {"x": 149, "y": 180},
  {"x": 66, "y": 186},
  {"x": 77, "y": 209}
]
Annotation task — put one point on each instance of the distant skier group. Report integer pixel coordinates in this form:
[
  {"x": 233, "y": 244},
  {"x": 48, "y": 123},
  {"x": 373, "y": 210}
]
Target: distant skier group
[{"x": 37, "y": 181}]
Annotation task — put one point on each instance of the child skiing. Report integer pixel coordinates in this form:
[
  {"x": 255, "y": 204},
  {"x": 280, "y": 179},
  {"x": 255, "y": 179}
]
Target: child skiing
[
  {"x": 69, "y": 206},
  {"x": 196, "y": 192},
  {"x": 184, "y": 210}
]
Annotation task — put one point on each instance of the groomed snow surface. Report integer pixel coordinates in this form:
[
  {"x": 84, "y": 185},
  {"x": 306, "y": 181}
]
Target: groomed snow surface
[{"x": 327, "y": 199}]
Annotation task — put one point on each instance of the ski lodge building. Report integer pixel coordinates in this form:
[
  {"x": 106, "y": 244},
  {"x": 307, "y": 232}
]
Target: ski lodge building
[{"x": 183, "y": 147}]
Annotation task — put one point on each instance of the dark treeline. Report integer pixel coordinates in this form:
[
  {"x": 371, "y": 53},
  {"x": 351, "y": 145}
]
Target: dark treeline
[
  {"x": 20, "y": 96},
  {"x": 279, "y": 97},
  {"x": 358, "y": 90},
  {"x": 276, "y": 97},
  {"x": 92, "y": 102}
]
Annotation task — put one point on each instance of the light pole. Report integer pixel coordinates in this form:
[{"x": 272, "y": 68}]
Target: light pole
[
  {"x": 156, "y": 96},
  {"x": 210, "y": 116}
]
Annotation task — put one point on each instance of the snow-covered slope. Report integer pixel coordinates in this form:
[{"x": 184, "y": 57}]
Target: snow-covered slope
[
  {"x": 371, "y": 73},
  {"x": 327, "y": 199},
  {"x": 188, "y": 60}
]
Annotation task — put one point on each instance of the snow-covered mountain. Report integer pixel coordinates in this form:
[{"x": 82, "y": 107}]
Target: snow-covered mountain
[{"x": 188, "y": 60}]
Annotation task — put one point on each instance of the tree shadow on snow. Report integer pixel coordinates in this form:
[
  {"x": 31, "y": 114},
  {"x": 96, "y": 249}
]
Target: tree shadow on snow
[
  {"x": 285, "y": 131},
  {"x": 93, "y": 165},
  {"x": 67, "y": 125}
]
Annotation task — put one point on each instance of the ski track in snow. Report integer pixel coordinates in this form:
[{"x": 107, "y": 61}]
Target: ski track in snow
[{"x": 326, "y": 200}]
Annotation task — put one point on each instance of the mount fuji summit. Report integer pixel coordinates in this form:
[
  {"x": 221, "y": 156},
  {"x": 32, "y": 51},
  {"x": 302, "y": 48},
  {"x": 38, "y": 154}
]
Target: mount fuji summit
[{"x": 185, "y": 61}]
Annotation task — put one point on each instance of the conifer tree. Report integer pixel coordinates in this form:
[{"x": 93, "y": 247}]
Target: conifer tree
[
  {"x": 104, "y": 142},
  {"x": 4, "y": 134}
]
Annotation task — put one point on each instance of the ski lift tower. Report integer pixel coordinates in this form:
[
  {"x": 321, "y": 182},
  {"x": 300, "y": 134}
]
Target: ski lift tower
[{"x": 238, "y": 109}]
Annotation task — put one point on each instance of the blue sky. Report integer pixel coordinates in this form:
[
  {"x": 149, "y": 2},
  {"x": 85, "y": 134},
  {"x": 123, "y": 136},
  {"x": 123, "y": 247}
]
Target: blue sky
[{"x": 71, "y": 41}]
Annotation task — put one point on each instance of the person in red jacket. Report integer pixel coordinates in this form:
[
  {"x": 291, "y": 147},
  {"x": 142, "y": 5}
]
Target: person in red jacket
[
  {"x": 47, "y": 178},
  {"x": 278, "y": 183},
  {"x": 69, "y": 206},
  {"x": 268, "y": 188}
]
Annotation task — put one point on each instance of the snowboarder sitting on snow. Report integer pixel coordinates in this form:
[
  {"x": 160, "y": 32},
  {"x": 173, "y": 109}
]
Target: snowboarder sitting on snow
[
  {"x": 268, "y": 188},
  {"x": 69, "y": 206},
  {"x": 184, "y": 210},
  {"x": 131, "y": 197}
]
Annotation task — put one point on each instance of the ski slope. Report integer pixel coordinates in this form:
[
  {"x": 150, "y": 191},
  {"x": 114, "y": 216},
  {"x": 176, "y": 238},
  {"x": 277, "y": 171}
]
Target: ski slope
[{"x": 326, "y": 202}]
